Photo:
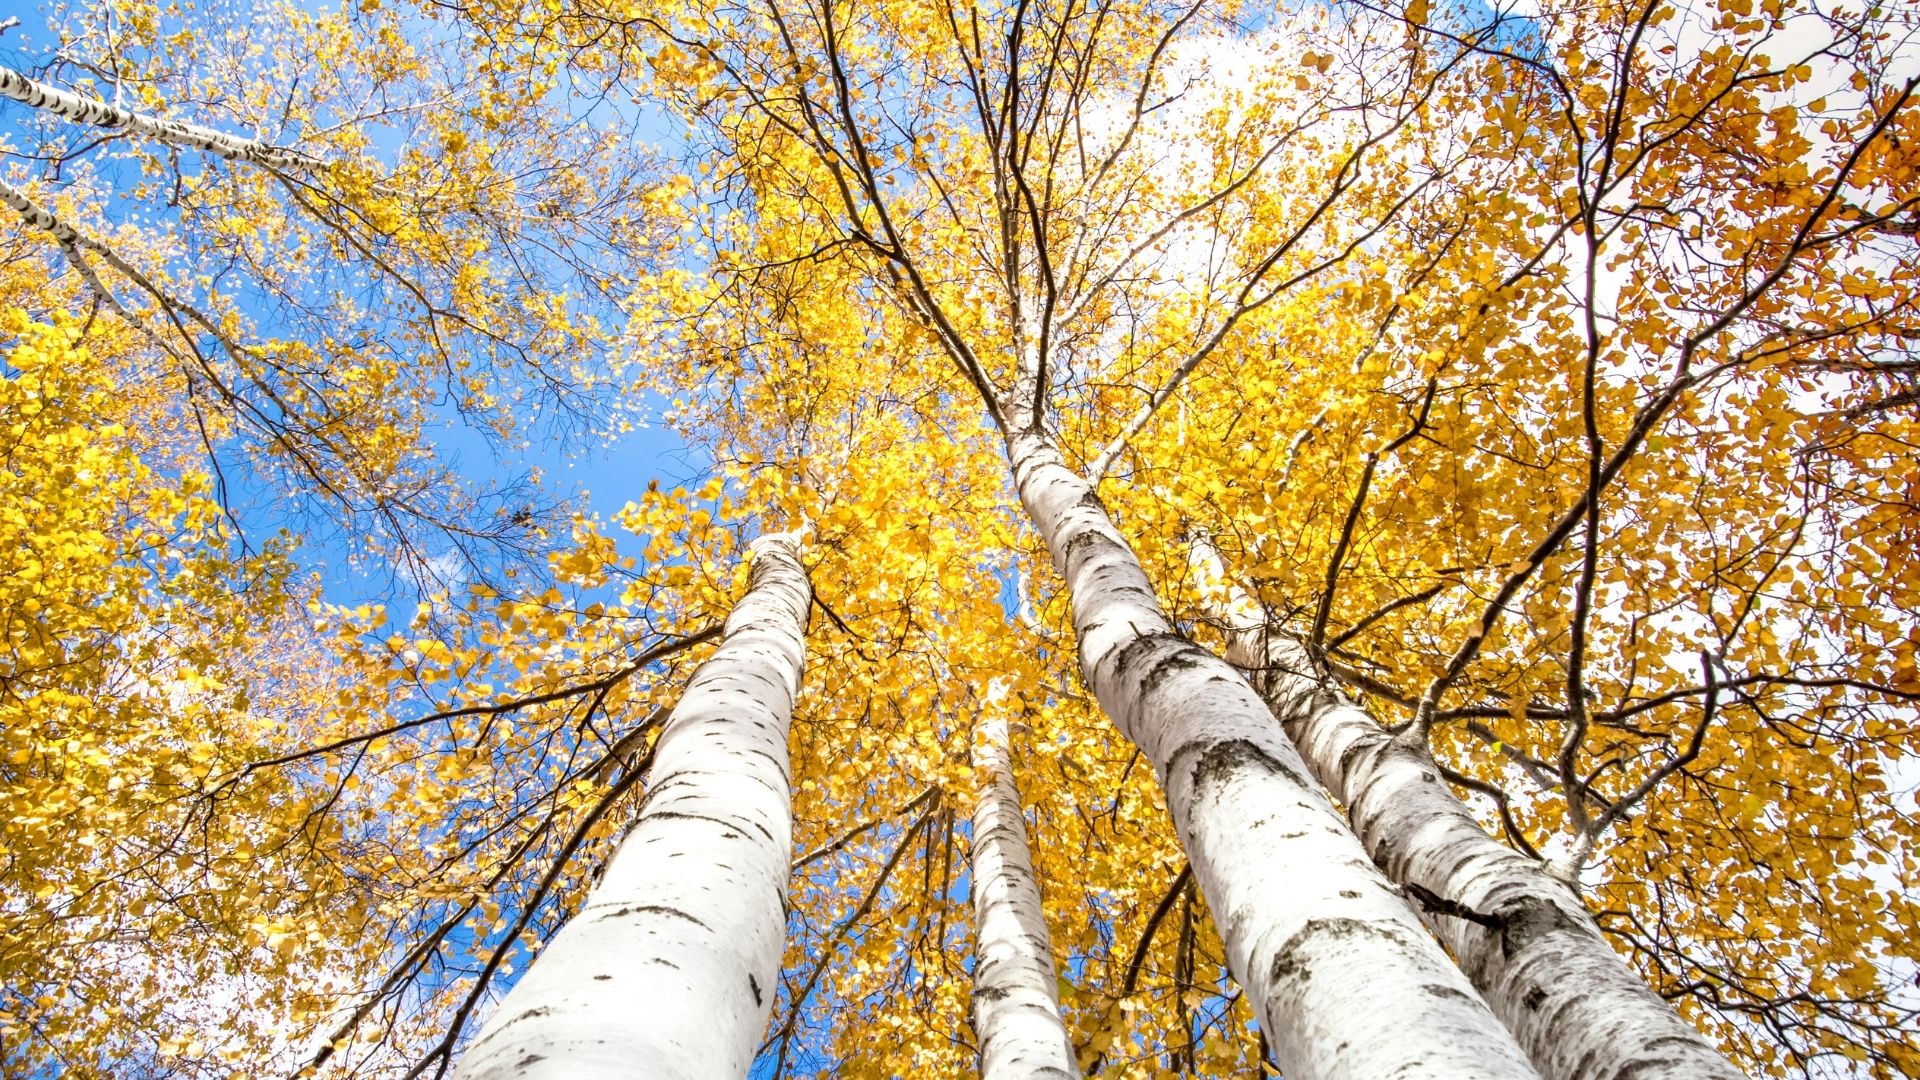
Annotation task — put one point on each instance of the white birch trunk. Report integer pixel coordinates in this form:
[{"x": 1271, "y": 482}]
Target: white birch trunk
[
  {"x": 72, "y": 243},
  {"x": 1346, "y": 981},
  {"x": 669, "y": 969},
  {"x": 39, "y": 216},
  {"x": 1575, "y": 1006},
  {"x": 84, "y": 110},
  {"x": 1016, "y": 1005}
]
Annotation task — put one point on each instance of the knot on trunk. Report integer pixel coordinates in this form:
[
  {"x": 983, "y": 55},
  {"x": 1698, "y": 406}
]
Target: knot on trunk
[
  {"x": 1433, "y": 903},
  {"x": 1520, "y": 923}
]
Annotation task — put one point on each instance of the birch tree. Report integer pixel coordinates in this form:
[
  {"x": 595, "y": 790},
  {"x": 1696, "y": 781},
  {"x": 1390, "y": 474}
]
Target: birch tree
[
  {"x": 1519, "y": 931},
  {"x": 1575, "y": 788},
  {"x": 669, "y": 966},
  {"x": 267, "y": 338},
  {"x": 1016, "y": 1010}
]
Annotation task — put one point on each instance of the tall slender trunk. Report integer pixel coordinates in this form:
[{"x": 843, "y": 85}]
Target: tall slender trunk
[
  {"x": 1016, "y": 1008},
  {"x": 669, "y": 970},
  {"x": 1579, "y": 1011},
  {"x": 1345, "y": 979}
]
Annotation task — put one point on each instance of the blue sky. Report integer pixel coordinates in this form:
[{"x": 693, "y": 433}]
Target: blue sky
[{"x": 598, "y": 475}]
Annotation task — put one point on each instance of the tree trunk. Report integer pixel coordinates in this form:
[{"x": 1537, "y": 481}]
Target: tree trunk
[
  {"x": 1579, "y": 1011},
  {"x": 84, "y": 110},
  {"x": 1346, "y": 981},
  {"x": 1016, "y": 1008},
  {"x": 669, "y": 970}
]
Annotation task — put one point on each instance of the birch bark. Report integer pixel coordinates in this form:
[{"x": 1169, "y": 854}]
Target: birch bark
[
  {"x": 1577, "y": 1009},
  {"x": 1016, "y": 1007},
  {"x": 1346, "y": 981},
  {"x": 669, "y": 969},
  {"x": 85, "y": 110}
]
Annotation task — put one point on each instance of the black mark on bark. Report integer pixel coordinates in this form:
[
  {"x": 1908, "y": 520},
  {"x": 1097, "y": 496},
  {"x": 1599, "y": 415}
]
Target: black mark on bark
[
  {"x": 725, "y": 826},
  {"x": 1220, "y": 760},
  {"x": 1529, "y": 919},
  {"x": 652, "y": 909},
  {"x": 1351, "y": 753},
  {"x": 1291, "y": 962},
  {"x": 1085, "y": 538},
  {"x": 1141, "y": 649},
  {"x": 1647, "y": 1069},
  {"x": 1170, "y": 665}
]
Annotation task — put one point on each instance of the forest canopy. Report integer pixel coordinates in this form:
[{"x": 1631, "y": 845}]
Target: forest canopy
[{"x": 1141, "y": 538}]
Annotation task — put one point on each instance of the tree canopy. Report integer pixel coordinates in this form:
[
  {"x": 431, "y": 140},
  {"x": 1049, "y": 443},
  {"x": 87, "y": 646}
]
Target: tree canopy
[{"x": 1540, "y": 380}]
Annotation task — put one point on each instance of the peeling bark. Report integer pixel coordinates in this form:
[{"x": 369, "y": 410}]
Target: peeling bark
[
  {"x": 668, "y": 969},
  {"x": 1016, "y": 1008},
  {"x": 1346, "y": 981}
]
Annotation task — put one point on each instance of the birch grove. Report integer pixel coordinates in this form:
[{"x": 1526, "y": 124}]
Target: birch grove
[
  {"x": 1519, "y": 931},
  {"x": 413, "y": 413},
  {"x": 1347, "y": 981}
]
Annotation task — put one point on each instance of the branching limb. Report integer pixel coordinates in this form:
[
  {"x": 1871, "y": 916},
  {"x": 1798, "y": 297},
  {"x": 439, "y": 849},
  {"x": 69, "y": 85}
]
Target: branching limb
[
  {"x": 491, "y": 708},
  {"x": 442, "y": 1052},
  {"x": 861, "y": 829},
  {"x": 1434, "y": 903},
  {"x": 1338, "y": 560},
  {"x": 1180, "y": 885},
  {"x": 796, "y": 1000},
  {"x": 1627, "y": 803}
]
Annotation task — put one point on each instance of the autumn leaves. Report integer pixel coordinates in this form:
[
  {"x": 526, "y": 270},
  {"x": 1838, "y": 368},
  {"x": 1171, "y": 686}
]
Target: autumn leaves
[{"x": 1430, "y": 491}]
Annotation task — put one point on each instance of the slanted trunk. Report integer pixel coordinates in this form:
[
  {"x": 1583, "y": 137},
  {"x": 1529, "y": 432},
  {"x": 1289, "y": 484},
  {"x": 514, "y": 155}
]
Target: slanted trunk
[
  {"x": 1016, "y": 1008},
  {"x": 669, "y": 970},
  {"x": 1579, "y": 1011},
  {"x": 1346, "y": 981},
  {"x": 96, "y": 113}
]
